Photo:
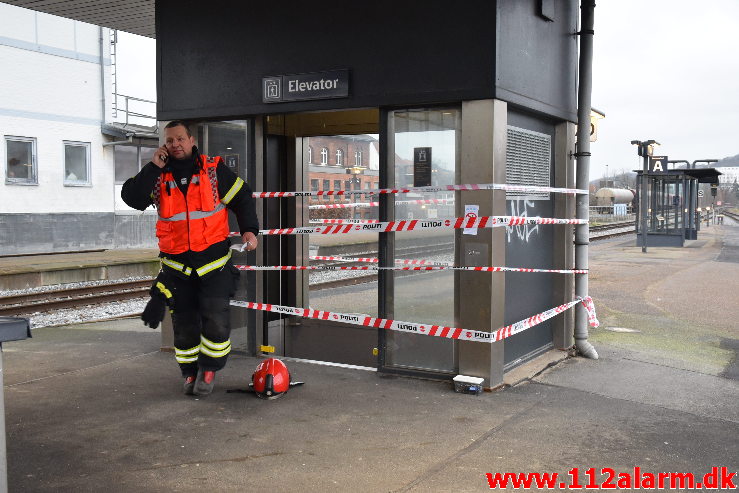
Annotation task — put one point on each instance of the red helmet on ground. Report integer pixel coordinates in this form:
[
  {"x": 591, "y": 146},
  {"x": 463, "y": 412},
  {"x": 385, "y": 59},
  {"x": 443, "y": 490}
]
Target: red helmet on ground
[{"x": 271, "y": 379}]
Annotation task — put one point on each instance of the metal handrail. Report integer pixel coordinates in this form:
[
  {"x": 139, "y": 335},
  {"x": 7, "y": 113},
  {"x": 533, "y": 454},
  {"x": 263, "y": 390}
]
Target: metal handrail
[
  {"x": 130, "y": 113},
  {"x": 135, "y": 98}
]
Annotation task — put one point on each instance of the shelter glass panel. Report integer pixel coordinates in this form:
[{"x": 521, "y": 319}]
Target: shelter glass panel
[
  {"x": 426, "y": 144},
  {"x": 129, "y": 159},
  {"x": 665, "y": 214},
  {"x": 126, "y": 162},
  {"x": 145, "y": 155}
]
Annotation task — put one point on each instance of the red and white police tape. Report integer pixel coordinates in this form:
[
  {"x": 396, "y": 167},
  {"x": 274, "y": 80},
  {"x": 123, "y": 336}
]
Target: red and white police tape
[
  {"x": 426, "y": 329},
  {"x": 416, "y": 267},
  {"x": 344, "y": 221},
  {"x": 440, "y": 188},
  {"x": 376, "y": 204},
  {"x": 377, "y": 260},
  {"x": 417, "y": 224}
]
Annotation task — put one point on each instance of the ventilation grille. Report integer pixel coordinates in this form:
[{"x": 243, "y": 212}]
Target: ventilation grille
[{"x": 528, "y": 157}]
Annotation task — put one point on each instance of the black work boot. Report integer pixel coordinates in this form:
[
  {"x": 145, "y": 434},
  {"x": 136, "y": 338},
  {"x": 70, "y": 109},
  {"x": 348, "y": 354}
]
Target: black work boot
[
  {"x": 189, "y": 387},
  {"x": 204, "y": 382}
]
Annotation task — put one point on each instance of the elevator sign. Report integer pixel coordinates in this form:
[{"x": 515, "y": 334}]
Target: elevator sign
[{"x": 299, "y": 87}]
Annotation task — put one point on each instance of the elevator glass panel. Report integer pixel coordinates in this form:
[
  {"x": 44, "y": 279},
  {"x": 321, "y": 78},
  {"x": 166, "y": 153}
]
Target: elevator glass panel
[
  {"x": 228, "y": 139},
  {"x": 424, "y": 296},
  {"x": 336, "y": 163}
]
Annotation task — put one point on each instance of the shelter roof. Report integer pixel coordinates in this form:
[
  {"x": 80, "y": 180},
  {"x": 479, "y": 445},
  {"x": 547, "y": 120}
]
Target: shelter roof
[{"x": 704, "y": 175}]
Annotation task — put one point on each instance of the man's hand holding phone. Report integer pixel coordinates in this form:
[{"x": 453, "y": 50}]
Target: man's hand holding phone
[{"x": 160, "y": 157}]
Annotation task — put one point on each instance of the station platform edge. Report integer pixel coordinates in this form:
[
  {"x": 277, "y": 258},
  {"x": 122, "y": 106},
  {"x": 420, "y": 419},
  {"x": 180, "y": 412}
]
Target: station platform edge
[{"x": 28, "y": 271}]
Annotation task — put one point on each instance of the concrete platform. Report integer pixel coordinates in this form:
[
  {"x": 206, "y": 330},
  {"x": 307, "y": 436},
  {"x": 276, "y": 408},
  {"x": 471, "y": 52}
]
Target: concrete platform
[
  {"x": 20, "y": 272},
  {"x": 99, "y": 407}
]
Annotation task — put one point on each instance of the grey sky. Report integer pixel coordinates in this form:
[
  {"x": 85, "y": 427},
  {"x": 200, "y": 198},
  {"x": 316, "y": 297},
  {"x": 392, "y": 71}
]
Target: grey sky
[
  {"x": 136, "y": 68},
  {"x": 663, "y": 69},
  {"x": 666, "y": 70}
]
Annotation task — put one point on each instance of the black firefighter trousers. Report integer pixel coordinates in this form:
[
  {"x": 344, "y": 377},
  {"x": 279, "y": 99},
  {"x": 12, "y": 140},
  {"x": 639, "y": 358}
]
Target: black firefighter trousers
[{"x": 201, "y": 319}]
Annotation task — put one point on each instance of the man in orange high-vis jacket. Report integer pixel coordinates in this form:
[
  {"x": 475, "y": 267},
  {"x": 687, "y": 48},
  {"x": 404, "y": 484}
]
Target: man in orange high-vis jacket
[{"x": 191, "y": 193}]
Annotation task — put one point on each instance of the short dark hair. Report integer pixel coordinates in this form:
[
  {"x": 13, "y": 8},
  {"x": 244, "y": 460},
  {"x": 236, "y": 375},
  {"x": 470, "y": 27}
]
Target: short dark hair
[{"x": 179, "y": 123}]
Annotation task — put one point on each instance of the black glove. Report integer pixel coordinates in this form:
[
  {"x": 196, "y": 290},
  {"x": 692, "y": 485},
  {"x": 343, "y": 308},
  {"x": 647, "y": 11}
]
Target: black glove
[
  {"x": 160, "y": 297},
  {"x": 154, "y": 312}
]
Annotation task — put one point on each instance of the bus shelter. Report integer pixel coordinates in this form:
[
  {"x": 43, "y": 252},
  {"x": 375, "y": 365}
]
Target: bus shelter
[{"x": 673, "y": 198}]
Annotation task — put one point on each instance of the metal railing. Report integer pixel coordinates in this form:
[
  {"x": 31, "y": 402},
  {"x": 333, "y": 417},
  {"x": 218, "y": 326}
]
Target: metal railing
[
  {"x": 605, "y": 214},
  {"x": 134, "y": 114}
]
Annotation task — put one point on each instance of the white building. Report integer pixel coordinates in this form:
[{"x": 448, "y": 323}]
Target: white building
[
  {"x": 729, "y": 175},
  {"x": 57, "y": 179}
]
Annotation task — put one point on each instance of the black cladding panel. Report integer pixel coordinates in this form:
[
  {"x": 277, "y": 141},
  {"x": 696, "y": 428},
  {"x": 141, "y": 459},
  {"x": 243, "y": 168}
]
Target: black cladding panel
[
  {"x": 529, "y": 246},
  {"x": 213, "y": 55},
  {"x": 536, "y": 63}
]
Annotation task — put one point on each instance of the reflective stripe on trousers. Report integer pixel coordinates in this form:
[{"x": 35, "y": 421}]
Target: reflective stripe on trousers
[
  {"x": 201, "y": 271},
  {"x": 215, "y": 349},
  {"x": 187, "y": 355}
]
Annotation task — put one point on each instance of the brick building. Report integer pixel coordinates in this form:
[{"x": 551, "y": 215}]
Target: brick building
[{"x": 342, "y": 162}]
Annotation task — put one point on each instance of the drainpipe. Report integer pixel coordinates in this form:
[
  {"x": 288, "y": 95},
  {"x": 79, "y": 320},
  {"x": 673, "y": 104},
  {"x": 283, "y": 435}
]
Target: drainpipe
[
  {"x": 582, "y": 233},
  {"x": 102, "y": 77}
]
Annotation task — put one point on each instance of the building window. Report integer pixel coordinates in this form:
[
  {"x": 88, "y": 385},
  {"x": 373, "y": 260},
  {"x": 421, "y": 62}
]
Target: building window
[
  {"x": 358, "y": 158},
  {"x": 20, "y": 165},
  {"x": 337, "y": 185},
  {"x": 310, "y": 155},
  {"x": 324, "y": 156},
  {"x": 339, "y": 157},
  {"x": 76, "y": 163},
  {"x": 314, "y": 185}
]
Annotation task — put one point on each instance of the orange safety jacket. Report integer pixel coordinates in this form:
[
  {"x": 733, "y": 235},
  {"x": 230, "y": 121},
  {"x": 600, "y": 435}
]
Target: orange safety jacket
[{"x": 193, "y": 222}]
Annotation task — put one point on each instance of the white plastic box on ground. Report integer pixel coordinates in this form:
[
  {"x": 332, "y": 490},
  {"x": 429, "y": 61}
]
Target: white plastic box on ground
[{"x": 468, "y": 385}]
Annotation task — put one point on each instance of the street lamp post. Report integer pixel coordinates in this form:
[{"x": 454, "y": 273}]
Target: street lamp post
[{"x": 645, "y": 150}]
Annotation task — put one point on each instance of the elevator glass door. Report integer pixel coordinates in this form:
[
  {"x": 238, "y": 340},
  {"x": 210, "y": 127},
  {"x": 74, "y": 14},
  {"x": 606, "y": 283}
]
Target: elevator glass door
[{"x": 329, "y": 152}]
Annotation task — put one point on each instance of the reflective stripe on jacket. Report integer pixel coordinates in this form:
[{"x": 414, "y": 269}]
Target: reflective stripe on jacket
[{"x": 192, "y": 222}]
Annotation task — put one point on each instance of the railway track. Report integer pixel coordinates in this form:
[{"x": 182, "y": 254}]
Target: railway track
[
  {"x": 24, "y": 304},
  {"x": 604, "y": 231},
  {"x": 47, "y": 301},
  {"x": 404, "y": 252}
]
